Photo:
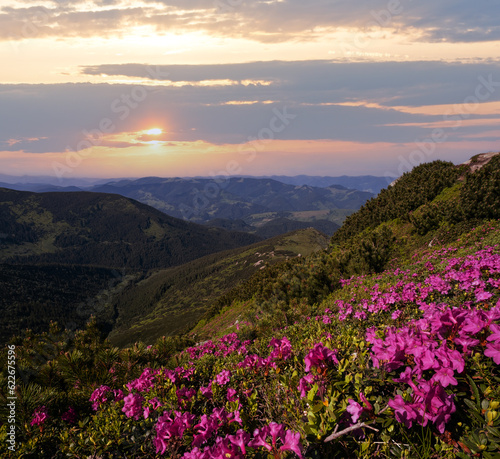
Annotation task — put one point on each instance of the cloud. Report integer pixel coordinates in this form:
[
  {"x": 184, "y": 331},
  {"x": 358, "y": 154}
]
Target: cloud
[
  {"x": 324, "y": 81},
  {"x": 262, "y": 21},
  {"x": 357, "y": 102}
]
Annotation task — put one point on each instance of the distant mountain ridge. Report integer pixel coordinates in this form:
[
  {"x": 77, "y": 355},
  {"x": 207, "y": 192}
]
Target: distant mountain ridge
[
  {"x": 267, "y": 207},
  {"x": 256, "y": 201},
  {"x": 371, "y": 183},
  {"x": 205, "y": 199}
]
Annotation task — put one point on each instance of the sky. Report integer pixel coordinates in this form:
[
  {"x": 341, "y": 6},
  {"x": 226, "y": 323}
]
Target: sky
[{"x": 125, "y": 88}]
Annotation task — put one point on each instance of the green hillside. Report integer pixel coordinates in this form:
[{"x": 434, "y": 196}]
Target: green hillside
[
  {"x": 102, "y": 229},
  {"x": 170, "y": 300},
  {"x": 433, "y": 205},
  {"x": 64, "y": 256}
]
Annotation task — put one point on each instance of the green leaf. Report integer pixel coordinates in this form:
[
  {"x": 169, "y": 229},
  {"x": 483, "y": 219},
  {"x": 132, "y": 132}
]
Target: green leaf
[
  {"x": 312, "y": 392},
  {"x": 317, "y": 407},
  {"x": 475, "y": 391}
]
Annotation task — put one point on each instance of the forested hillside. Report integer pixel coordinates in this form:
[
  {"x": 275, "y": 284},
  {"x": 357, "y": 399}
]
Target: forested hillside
[
  {"x": 103, "y": 230},
  {"x": 34, "y": 295},
  {"x": 173, "y": 300}
]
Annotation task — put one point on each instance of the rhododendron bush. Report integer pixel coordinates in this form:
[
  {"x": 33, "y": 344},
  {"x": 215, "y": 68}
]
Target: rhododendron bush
[{"x": 405, "y": 363}]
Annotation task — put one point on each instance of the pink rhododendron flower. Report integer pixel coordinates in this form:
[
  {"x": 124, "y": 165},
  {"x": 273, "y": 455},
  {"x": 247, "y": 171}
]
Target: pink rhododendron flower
[
  {"x": 320, "y": 357},
  {"x": 291, "y": 442},
  {"x": 99, "y": 396},
  {"x": 495, "y": 333},
  {"x": 430, "y": 403},
  {"x": 281, "y": 440},
  {"x": 185, "y": 395},
  {"x": 395, "y": 315},
  {"x": 404, "y": 413},
  {"x": 204, "y": 429},
  {"x": 171, "y": 425},
  {"x": 355, "y": 410},
  {"x": 305, "y": 385},
  {"x": 259, "y": 439},
  {"x": 40, "y": 415},
  {"x": 155, "y": 403},
  {"x": 223, "y": 377},
  {"x": 235, "y": 417},
  {"x": 69, "y": 416},
  {"x": 240, "y": 439},
  {"x": 276, "y": 431},
  {"x": 445, "y": 377},
  {"x": 133, "y": 406},
  {"x": 145, "y": 382},
  {"x": 438, "y": 284},
  {"x": 493, "y": 351},
  {"x": 482, "y": 295},
  {"x": 206, "y": 392},
  {"x": 282, "y": 348},
  {"x": 231, "y": 395}
]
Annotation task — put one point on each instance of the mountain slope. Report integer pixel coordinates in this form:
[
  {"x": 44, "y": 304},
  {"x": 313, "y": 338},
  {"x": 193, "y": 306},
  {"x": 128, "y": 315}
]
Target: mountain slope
[
  {"x": 433, "y": 205},
  {"x": 167, "y": 301},
  {"x": 101, "y": 229},
  {"x": 281, "y": 225},
  {"x": 35, "y": 295}
]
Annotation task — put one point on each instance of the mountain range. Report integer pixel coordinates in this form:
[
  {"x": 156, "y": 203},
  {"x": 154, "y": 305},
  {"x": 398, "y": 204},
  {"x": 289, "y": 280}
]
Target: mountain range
[
  {"x": 370, "y": 183},
  {"x": 267, "y": 207},
  {"x": 256, "y": 201}
]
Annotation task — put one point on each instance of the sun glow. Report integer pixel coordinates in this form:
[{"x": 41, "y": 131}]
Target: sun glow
[{"x": 154, "y": 131}]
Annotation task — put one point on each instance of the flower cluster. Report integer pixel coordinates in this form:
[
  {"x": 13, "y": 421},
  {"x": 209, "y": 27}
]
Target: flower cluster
[
  {"x": 99, "y": 396},
  {"x": 225, "y": 346},
  {"x": 145, "y": 382},
  {"x": 430, "y": 321},
  {"x": 69, "y": 416},
  {"x": 433, "y": 349},
  {"x": 317, "y": 361},
  {"x": 39, "y": 416},
  {"x": 133, "y": 406},
  {"x": 272, "y": 438}
]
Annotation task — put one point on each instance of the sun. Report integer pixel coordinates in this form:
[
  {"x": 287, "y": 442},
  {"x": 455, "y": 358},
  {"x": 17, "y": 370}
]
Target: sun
[{"x": 155, "y": 131}]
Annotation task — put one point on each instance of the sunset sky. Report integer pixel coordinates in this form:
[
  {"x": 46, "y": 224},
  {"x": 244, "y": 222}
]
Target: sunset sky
[{"x": 124, "y": 88}]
